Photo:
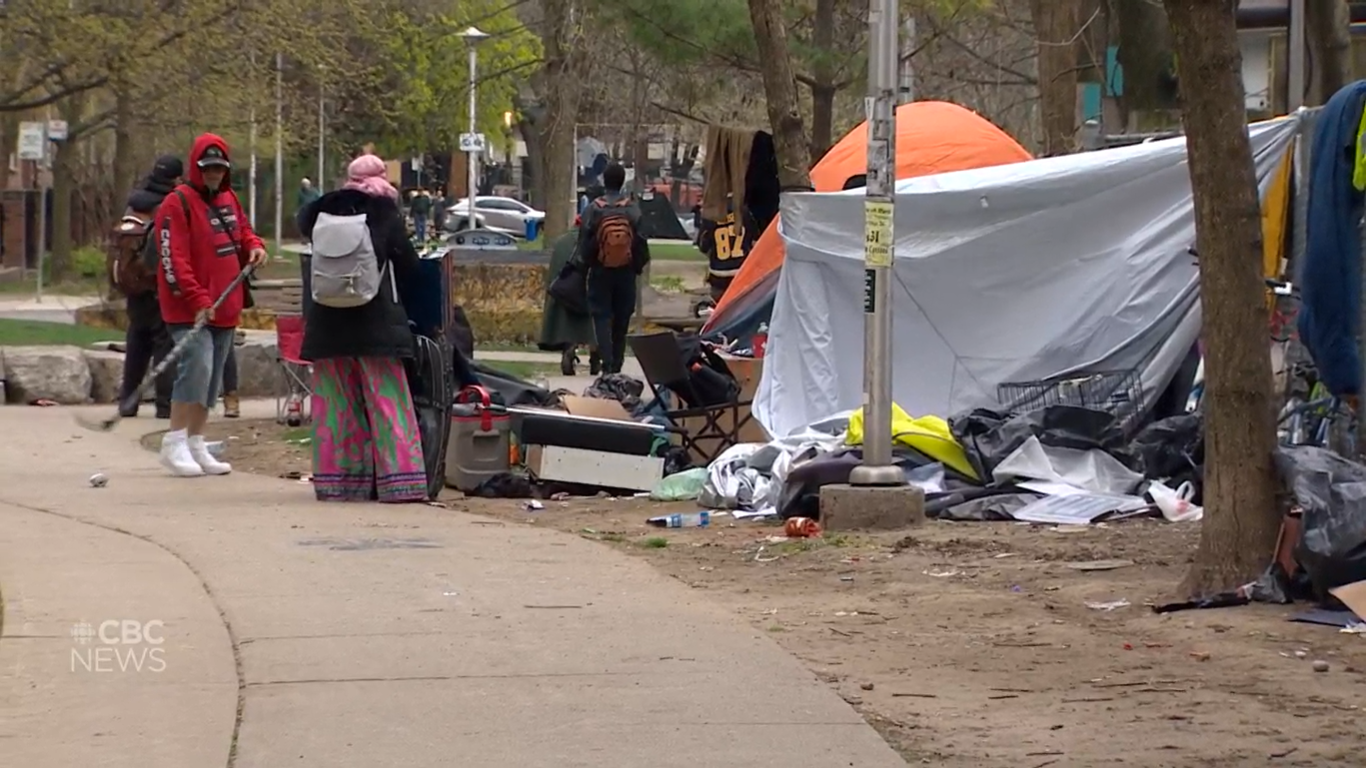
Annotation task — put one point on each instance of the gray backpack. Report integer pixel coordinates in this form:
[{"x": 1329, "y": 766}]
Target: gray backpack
[{"x": 346, "y": 272}]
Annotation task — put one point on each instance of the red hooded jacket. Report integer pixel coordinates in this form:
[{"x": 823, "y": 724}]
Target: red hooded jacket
[{"x": 203, "y": 248}]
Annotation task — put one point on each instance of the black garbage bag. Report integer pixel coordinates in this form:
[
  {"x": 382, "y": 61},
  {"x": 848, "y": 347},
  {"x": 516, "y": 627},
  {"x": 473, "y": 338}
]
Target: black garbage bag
[
  {"x": 1173, "y": 449},
  {"x": 1332, "y": 493},
  {"x": 989, "y": 436}
]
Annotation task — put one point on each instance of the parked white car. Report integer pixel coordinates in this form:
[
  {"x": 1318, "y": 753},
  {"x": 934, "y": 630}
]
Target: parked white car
[{"x": 498, "y": 213}]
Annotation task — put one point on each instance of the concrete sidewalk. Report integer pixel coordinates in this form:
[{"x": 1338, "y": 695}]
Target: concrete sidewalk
[{"x": 359, "y": 635}]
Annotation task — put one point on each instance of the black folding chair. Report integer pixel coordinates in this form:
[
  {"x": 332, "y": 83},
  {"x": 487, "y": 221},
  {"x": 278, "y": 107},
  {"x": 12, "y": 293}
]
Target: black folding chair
[{"x": 713, "y": 428}]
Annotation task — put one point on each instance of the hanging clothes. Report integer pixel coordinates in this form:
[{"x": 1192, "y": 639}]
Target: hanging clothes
[{"x": 1330, "y": 280}]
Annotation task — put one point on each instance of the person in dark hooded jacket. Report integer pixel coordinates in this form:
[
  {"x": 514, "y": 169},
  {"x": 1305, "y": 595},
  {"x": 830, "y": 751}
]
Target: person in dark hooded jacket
[
  {"x": 146, "y": 341},
  {"x": 366, "y": 440}
]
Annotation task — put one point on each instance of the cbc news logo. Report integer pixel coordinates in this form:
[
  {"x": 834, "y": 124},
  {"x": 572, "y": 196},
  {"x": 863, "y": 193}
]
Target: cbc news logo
[{"x": 119, "y": 645}]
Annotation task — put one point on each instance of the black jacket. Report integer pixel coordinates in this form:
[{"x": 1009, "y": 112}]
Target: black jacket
[
  {"x": 380, "y": 328},
  {"x": 143, "y": 309},
  {"x": 588, "y": 234}
]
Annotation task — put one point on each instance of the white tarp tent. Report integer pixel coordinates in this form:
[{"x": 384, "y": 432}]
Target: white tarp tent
[{"x": 1008, "y": 274}]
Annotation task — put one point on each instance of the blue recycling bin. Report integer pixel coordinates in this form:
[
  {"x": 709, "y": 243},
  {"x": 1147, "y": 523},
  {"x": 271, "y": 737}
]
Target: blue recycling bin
[{"x": 533, "y": 228}]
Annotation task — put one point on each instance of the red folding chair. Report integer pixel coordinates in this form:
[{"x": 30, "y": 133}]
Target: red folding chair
[{"x": 294, "y": 406}]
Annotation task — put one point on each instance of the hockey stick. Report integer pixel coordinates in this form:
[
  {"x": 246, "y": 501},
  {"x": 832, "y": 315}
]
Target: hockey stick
[{"x": 104, "y": 425}]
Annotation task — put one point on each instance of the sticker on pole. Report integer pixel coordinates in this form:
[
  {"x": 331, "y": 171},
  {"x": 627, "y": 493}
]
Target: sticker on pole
[
  {"x": 877, "y": 233},
  {"x": 32, "y": 141}
]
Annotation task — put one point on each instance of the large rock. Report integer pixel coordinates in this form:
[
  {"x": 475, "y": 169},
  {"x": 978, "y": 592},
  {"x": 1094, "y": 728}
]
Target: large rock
[
  {"x": 106, "y": 374},
  {"x": 60, "y": 374},
  {"x": 258, "y": 375}
]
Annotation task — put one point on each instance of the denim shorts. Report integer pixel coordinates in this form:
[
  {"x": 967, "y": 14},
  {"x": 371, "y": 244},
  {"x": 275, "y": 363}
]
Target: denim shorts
[{"x": 199, "y": 371}]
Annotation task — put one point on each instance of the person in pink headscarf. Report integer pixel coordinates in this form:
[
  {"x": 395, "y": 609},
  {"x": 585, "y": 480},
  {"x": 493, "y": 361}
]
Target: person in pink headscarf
[{"x": 366, "y": 444}]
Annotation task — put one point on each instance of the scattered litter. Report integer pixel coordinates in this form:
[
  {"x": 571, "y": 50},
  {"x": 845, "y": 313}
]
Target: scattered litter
[
  {"x": 1110, "y": 606},
  {"x": 449, "y": 594},
  {"x": 801, "y": 528},
  {"x": 941, "y": 574},
  {"x": 914, "y": 696},
  {"x": 1354, "y": 629},
  {"x": 691, "y": 520},
  {"x": 759, "y": 556},
  {"x": 1200, "y": 655},
  {"x": 1100, "y": 565},
  {"x": 1004, "y": 555},
  {"x": 680, "y": 486},
  {"x": 866, "y": 686},
  {"x": 559, "y": 496},
  {"x": 846, "y": 578},
  {"x": 552, "y": 607},
  {"x": 98, "y": 480},
  {"x": 43, "y": 402},
  {"x": 1175, "y": 504},
  {"x": 776, "y": 539},
  {"x": 1320, "y": 665},
  {"x": 533, "y": 506},
  {"x": 1300, "y": 654}
]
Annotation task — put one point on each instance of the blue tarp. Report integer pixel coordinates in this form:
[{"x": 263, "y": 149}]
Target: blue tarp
[{"x": 1330, "y": 282}]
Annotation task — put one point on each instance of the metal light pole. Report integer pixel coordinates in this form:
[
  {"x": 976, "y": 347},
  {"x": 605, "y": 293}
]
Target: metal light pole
[
  {"x": 878, "y": 231},
  {"x": 251, "y": 170},
  {"x": 279, "y": 155},
  {"x": 322, "y": 138},
  {"x": 1296, "y": 73},
  {"x": 473, "y": 37},
  {"x": 906, "y": 89}
]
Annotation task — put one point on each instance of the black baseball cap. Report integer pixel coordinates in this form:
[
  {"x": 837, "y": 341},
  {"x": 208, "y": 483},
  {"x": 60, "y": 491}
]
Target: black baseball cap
[{"x": 213, "y": 155}]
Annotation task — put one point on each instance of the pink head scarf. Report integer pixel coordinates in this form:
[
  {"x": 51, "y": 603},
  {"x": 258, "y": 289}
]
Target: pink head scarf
[{"x": 368, "y": 174}]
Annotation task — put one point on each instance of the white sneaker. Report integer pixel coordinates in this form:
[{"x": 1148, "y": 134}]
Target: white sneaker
[
  {"x": 175, "y": 455},
  {"x": 199, "y": 452}
]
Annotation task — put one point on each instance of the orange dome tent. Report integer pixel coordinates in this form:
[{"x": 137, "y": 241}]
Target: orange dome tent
[{"x": 931, "y": 137}]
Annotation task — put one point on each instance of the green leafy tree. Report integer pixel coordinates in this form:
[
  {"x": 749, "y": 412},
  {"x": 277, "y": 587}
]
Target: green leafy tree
[{"x": 431, "y": 95}]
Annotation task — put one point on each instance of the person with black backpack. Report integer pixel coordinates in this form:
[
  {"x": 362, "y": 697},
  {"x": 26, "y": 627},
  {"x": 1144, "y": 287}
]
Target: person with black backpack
[
  {"x": 615, "y": 253},
  {"x": 133, "y": 272}
]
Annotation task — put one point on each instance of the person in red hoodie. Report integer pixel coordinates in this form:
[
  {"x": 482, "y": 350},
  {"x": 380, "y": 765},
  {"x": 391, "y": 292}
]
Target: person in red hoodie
[{"x": 204, "y": 242}]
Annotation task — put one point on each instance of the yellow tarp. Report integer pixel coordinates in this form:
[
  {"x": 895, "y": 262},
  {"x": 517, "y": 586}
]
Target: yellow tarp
[
  {"x": 928, "y": 434},
  {"x": 1275, "y": 216}
]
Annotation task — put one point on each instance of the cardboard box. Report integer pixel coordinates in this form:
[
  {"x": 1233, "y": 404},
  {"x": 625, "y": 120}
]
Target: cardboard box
[{"x": 595, "y": 408}]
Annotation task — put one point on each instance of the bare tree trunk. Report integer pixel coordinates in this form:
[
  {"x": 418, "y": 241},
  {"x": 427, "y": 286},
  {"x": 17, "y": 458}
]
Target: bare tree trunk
[
  {"x": 125, "y": 155},
  {"x": 535, "y": 160},
  {"x": 823, "y": 94},
  {"x": 1146, "y": 55},
  {"x": 1241, "y": 518},
  {"x": 1055, "y": 27},
  {"x": 1328, "y": 39},
  {"x": 780, "y": 91},
  {"x": 562, "y": 108},
  {"x": 63, "y": 187}
]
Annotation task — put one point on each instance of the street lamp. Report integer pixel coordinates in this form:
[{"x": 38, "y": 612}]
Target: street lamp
[
  {"x": 507, "y": 125},
  {"x": 473, "y": 37}
]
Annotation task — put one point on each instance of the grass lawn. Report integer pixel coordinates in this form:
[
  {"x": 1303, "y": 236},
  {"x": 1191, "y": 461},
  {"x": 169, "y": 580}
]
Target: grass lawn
[
  {"x": 527, "y": 371},
  {"x": 65, "y": 288},
  {"x": 17, "y": 333}
]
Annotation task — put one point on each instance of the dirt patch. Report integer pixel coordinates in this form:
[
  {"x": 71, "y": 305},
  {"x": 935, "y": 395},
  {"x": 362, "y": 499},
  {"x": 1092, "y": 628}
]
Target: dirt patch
[{"x": 972, "y": 644}]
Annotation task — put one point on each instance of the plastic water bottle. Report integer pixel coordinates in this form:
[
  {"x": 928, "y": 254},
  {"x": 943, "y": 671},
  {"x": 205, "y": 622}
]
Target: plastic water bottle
[{"x": 690, "y": 520}]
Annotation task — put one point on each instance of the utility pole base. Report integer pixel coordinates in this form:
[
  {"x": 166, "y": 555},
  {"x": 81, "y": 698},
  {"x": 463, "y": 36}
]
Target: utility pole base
[{"x": 871, "y": 507}]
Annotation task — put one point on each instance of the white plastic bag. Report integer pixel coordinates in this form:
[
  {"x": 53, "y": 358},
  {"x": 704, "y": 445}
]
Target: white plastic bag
[{"x": 1175, "y": 505}]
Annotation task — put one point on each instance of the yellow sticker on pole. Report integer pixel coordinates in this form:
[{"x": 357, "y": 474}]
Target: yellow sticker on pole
[{"x": 877, "y": 233}]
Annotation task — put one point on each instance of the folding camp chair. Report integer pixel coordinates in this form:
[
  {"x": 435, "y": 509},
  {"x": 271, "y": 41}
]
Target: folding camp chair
[
  {"x": 705, "y": 430},
  {"x": 295, "y": 405}
]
